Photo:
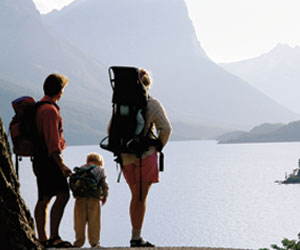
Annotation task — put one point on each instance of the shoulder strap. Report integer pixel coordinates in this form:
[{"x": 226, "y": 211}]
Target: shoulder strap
[
  {"x": 40, "y": 103},
  {"x": 150, "y": 131},
  {"x": 91, "y": 167}
]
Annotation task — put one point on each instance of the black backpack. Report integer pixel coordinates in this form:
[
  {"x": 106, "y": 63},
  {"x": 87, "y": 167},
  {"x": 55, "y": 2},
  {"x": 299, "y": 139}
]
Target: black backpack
[{"x": 129, "y": 100}]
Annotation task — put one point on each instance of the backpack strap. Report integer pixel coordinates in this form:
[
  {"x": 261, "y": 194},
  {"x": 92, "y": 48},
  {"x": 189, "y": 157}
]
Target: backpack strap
[
  {"x": 91, "y": 167},
  {"x": 158, "y": 146},
  {"x": 161, "y": 161},
  {"x": 119, "y": 162}
]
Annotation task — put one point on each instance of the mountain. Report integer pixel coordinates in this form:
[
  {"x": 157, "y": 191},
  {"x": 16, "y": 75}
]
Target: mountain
[
  {"x": 29, "y": 51},
  {"x": 200, "y": 97},
  {"x": 265, "y": 133},
  {"x": 159, "y": 36},
  {"x": 275, "y": 73},
  {"x": 195, "y": 131},
  {"x": 255, "y": 134}
]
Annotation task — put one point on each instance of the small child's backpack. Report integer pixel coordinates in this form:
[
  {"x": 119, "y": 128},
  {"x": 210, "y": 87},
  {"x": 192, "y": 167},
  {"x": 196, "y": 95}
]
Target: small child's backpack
[
  {"x": 83, "y": 183},
  {"x": 22, "y": 128}
]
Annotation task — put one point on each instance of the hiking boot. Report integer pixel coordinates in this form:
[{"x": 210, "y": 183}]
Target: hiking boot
[{"x": 140, "y": 243}]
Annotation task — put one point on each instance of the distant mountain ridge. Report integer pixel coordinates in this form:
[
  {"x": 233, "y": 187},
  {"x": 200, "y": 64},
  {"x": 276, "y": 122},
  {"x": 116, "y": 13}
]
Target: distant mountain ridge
[
  {"x": 126, "y": 32},
  {"x": 166, "y": 45},
  {"x": 265, "y": 133},
  {"x": 29, "y": 51},
  {"x": 275, "y": 73},
  {"x": 88, "y": 36}
]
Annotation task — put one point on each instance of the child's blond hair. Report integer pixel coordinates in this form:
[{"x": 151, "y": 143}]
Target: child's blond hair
[{"x": 95, "y": 158}]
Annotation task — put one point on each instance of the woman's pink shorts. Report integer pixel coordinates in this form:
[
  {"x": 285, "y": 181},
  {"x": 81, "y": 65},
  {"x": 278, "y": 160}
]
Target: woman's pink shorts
[{"x": 131, "y": 171}]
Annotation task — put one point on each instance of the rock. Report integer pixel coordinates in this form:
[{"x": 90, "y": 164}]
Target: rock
[{"x": 17, "y": 226}]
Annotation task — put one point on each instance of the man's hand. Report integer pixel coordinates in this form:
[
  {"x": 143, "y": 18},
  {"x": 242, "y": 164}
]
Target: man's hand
[
  {"x": 66, "y": 171},
  {"x": 60, "y": 162}
]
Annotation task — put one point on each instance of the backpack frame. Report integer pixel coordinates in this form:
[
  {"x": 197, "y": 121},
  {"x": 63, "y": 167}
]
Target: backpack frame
[{"x": 129, "y": 97}]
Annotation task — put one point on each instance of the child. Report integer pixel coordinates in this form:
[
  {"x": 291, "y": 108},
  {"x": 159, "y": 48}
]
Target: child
[{"x": 87, "y": 209}]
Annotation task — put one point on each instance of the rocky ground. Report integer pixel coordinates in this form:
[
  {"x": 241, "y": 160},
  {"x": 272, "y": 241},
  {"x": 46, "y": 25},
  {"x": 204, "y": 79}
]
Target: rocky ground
[{"x": 156, "y": 248}]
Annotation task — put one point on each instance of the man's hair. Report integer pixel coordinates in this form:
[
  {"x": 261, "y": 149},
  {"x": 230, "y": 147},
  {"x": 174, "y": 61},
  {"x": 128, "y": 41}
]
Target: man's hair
[
  {"x": 54, "y": 83},
  {"x": 95, "y": 158}
]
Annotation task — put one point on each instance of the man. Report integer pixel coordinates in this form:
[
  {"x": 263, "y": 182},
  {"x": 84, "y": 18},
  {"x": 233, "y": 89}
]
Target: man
[{"x": 48, "y": 164}]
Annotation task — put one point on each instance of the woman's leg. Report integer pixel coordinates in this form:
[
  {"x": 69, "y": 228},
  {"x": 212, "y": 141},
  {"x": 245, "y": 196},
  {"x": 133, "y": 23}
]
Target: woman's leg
[{"x": 137, "y": 205}]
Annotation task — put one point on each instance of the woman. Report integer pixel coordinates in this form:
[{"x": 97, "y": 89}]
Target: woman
[{"x": 156, "y": 120}]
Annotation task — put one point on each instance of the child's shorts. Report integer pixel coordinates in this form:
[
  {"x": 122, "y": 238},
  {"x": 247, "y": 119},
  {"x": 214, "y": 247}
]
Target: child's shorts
[{"x": 131, "y": 171}]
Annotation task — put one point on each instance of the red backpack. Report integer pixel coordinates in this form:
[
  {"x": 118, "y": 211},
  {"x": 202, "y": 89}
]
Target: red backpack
[
  {"x": 19, "y": 127},
  {"x": 23, "y": 130}
]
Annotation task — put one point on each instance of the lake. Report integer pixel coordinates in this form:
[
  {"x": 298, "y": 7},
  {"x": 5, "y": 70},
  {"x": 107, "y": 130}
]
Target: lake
[{"x": 210, "y": 195}]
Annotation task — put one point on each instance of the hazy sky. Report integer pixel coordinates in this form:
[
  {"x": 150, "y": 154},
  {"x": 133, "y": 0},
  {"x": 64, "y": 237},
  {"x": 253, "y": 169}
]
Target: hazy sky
[{"x": 234, "y": 30}]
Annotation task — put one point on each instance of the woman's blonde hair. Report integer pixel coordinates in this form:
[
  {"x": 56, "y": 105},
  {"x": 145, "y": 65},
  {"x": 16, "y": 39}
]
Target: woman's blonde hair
[
  {"x": 145, "y": 78},
  {"x": 95, "y": 158}
]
